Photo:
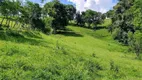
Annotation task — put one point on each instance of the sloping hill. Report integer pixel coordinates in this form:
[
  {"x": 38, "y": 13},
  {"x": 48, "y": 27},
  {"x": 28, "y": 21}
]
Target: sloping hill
[{"x": 77, "y": 54}]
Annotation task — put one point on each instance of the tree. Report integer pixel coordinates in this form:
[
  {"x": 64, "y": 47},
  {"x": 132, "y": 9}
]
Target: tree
[
  {"x": 89, "y": 17},
  {"x": 10, "y": 12},
  {"x": 15, "y": 11},
  {"x": 122, "y": 19},
  {"x": 110, "y": 14},
  {"x": 127, "y": 24},
  {"x": 71, "y": 11},
  {"x": 58, "y": 12},
  {"x": 48, "y": 25},
  {"x": 5, "y": 10},
  {"x": 92, "y": 17},
  {"x": 99, "y": 18},
  {"x": 31, "y": 14},
  {"x": 79, "y": 19}
]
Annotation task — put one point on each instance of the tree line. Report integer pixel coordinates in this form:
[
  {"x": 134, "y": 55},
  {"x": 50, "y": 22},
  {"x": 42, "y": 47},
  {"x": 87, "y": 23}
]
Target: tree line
[
  {"x": 53, "y": 16},
  {"x": 89, "y": 18},
  {"x": 28, "y": 14}
]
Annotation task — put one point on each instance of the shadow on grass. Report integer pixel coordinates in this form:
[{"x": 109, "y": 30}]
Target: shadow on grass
[
  {"x": 99, "y": 27},
  {"x": 69, "y": 33},
  {"x": 14, "y": 36},
  {"x": 92, "y": 28}
]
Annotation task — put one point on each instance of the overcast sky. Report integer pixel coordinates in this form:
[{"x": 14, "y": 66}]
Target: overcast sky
[{"x": 82, "y": 5}]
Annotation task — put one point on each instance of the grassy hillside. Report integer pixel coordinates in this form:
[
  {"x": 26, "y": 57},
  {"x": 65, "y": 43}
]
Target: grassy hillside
[{"x": 77, "y": 54}]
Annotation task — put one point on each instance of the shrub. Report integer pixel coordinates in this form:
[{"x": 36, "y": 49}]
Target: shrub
[
  {"x": 116, "y": 33},
  {"x": 48, "y": 25},
  {"x": 135, "y": 42},
  {"x": 120, "y": 35}
]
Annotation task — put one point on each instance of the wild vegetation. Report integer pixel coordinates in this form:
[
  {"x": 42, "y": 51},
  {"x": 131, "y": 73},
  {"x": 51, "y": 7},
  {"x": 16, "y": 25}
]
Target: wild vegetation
[
  {"x": 56, "y": 42},
  {"x": 126, "y": 24}
]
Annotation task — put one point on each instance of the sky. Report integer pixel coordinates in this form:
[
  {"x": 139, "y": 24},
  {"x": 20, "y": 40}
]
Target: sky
[{"x": 82, "y": 5}]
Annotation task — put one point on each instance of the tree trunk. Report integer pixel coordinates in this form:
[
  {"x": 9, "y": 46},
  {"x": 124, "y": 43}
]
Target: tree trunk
[
  {"x": 18, "y": 25},
  {"x": 6, "y": 20},
  {"x": 54, "y": 31},
  {"x": 95, "y": 27},
  {"x": 8, "y": 23},
  {"x": 89, "y": 25},
  {"x": 15, "y": 24},
  {"x": 2, "y": 20}
]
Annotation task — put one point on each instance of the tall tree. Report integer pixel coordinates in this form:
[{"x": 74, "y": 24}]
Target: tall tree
[
  {"x": 92, "y": 17},
  {"x": 79, "y": 19},
  {"x": 122, "y": 20},
  {"x": 89, "y": 17},
  {"x": 71, "y": 11},
  {"x": 57, "y": 11},
  {"x": 31, "y": 14}
]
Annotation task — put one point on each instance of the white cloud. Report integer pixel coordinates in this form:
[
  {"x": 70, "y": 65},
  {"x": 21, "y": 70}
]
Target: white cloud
[
  {"x": 79, "y": 4},
  {"x": 97, "y": 5}
]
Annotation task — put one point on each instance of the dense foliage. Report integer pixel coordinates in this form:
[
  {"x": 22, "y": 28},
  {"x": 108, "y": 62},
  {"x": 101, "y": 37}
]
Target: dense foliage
[
  {"x": 89, "y": 17},
  {"x": 31, "y": 15},
  {"x": 58, "y": 12},
  {"x": 127, "y": 22}
]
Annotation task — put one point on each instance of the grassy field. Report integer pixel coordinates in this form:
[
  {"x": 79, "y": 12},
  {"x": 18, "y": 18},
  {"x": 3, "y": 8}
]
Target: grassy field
[
  {"x": 77, "y": 54},
  {"x": 106, "y": 23}
]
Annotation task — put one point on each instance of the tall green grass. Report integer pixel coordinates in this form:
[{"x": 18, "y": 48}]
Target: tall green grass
[{"x": 78, "y": 54}]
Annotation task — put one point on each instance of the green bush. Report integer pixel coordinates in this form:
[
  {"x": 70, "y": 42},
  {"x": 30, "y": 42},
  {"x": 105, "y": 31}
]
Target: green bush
[
  {"x": 120, "y": 35},
  {"x": 48, "y": 25},
  {"x": 116, "y": 33},
  {"x": 135, "y": 42}
]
